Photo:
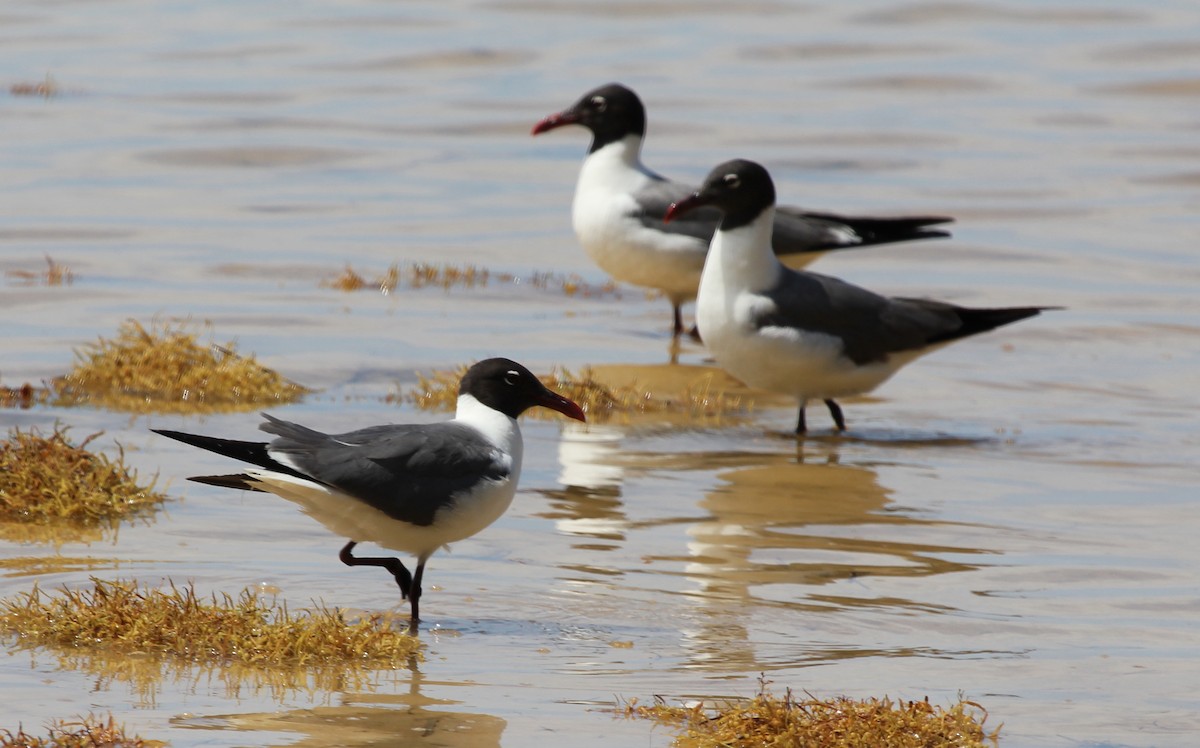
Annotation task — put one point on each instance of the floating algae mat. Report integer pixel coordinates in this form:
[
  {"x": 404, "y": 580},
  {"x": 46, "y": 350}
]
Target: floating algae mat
[
  {"x": 47, "y": 88},
  {"x": 55, "y": 274},
  {"x": 166, "y": 370},
  {"x": 447, "y": 276},
  {"x": 693, "y": 394},
  {"x": 769, "y": 720},
  {"x": 48, "y": 482},
  {"x": 35, "y": 566},
  {"x": 118, "y": 618},
  {"x": 26, "y": 396},
  {"x": 84, "y": 732}
]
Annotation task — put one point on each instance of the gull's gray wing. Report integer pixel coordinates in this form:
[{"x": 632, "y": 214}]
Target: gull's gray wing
[
  {"x": 654, "y": 199},
  {"x": 869, "y": 326},
  {"x": 408, "y": 472},
  {"x": 797, "y": 230}
]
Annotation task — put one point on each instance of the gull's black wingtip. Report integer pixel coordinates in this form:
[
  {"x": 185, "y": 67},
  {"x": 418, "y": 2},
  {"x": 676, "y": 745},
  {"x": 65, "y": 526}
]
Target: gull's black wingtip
[
  {"x": 254, "y": 453},
  {"x": 239, "y": 481}
]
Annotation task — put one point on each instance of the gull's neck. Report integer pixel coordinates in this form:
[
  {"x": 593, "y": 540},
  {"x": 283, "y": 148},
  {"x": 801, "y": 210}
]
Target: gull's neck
[
  {"x": 499, "y": 429},
  {"x": 616, "y": 165},
  {"x": 742, "y": 257}
]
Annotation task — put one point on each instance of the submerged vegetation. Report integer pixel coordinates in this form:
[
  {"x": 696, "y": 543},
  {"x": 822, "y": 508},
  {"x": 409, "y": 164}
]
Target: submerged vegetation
[
  {"x": 47, "y": 88},
  {"x": 125, "y": 618},
  {"x": 166, "y": 370},
  {"x": 26, "y": 396},
  {"x": 446, "y": 276},
  {"x": 787, "y": 722},
  {"x": 83, "y": 732},
  {"x": 702, "y": 398},
  {"x": 20, "y": 566},
  {"x": 146, "y": 677},
  {"x": 46, "y": 479},
  {"x": 55, "y": 274}
]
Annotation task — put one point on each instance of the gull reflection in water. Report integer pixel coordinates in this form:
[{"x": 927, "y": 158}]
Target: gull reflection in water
[
  {"x": 795, "y": 546},
  {"x": 365, "y": 719},
  {"x": 588, "y": 458},
  {"x": 589, "y": 504}
]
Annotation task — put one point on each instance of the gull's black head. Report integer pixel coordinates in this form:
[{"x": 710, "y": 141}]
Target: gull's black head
[
  {"x": 506, "y": 386},
  {"x": 611, "y": 112},
  {"x": 740, "y": 189}
]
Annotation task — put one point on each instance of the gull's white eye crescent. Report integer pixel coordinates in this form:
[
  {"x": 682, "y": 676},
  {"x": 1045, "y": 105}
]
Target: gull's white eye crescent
[
  {"x": 511, "y": 377},
  {"x": 732, "y": 181},
  {"x": 599, "y": 103}
]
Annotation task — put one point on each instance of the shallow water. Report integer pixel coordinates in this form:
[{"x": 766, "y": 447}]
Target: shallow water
[{"x": 1011, "y": 518}]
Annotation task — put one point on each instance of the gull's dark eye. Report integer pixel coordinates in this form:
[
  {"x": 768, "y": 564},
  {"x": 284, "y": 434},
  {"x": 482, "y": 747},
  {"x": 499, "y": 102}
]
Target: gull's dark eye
[
  {"x": 599, "y": 103},
  {"x": 733, "y": 181},
  {"x": 511, "y": 378}
]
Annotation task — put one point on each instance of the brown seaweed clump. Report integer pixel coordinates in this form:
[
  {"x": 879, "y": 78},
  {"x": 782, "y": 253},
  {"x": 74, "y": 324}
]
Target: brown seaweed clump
[
  {"x": 55, "y": 274},
  {"x": 416, "y": 275},
  {"x": 601, "y": 401},
  {"x": 47, "y": 88},
  {"x": 349, "y": 280},
  {"x": 165, "y": 370},
  {"x": 47, "y": 479},
  {"x": 423, "y": 274},
  {"x": 123, "y": 617},
  {"x": 842, "y": 722},
  {"x": 446, "y": 276},
  {"x": 24, "y": 397},
  {"x": 83, "y": 732},
  {"x": 438, "y": 391}
]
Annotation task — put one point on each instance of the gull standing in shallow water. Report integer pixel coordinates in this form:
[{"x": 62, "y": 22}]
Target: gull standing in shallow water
[
  {"x": 619, "y": 207},
  {"x": 408, "y": 487},
  {"x": 800, "y": 333}
]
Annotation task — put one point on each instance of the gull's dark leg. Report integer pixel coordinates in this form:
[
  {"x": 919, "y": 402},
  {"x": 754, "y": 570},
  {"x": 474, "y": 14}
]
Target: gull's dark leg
[
  {"x": 414, "y": 596},
  {"x": 835, "y": 410},
  {"x": 801, "y": 426},
  {"x": 678, "y": 320},
  {"x": 404, "y": 579},
  {"x": 694, "y": 333}
]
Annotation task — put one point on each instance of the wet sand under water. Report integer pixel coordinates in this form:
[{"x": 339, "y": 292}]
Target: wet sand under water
[{"x": 1010, "y": 518}]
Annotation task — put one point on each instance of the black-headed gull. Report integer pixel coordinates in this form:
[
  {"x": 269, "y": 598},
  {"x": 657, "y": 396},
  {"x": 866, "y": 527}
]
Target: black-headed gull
[
  {"x": 408, "y": 487},
  {"x": 619, "y": 206},
  {"x": 800, "y": 333}
]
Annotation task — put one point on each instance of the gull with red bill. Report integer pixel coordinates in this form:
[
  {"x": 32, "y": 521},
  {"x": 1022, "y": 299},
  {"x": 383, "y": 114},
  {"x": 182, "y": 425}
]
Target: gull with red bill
[
  {"x": 619, "y": 207},
  {"x": 798, "y": 333},
  {"x": 409, "y": 487}
]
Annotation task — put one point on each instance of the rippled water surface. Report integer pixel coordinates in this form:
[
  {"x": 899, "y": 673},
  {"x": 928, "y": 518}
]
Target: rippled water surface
[{"x": 1012, "y": 519}]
